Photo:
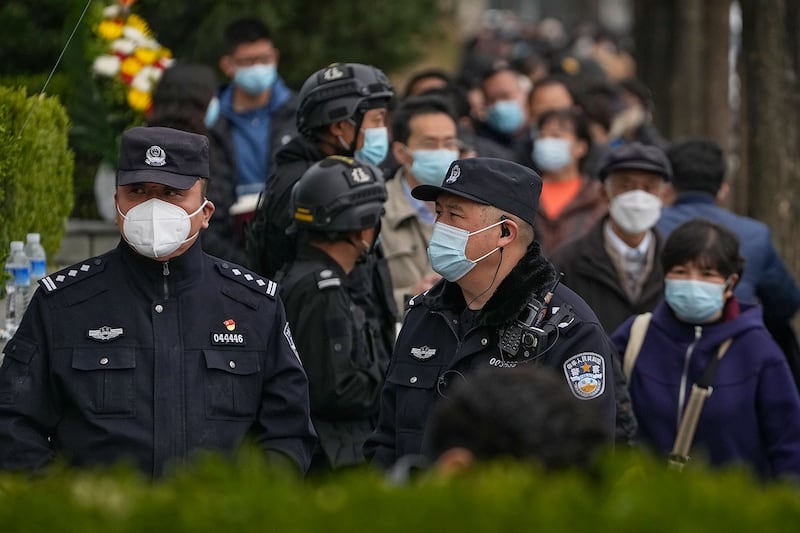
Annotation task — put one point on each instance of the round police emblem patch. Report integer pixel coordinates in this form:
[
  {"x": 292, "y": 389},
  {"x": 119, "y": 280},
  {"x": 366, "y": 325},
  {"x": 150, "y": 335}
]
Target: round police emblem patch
[
  {"x": 586, "y": 375},
  {"x": 155, "y": 156}
]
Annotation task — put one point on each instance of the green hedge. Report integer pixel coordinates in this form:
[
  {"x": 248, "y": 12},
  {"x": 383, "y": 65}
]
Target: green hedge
[
  {"x": 632, "y": 493},
  {"x": 35, "y": 169}
]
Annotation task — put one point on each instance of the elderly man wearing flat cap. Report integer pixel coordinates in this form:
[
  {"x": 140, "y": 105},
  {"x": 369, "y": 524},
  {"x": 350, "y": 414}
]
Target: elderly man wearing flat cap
[
  {"x": 615, "y": 266},
  {"x": 154, "y": 350},
  {"x": 499, "y": 305}
]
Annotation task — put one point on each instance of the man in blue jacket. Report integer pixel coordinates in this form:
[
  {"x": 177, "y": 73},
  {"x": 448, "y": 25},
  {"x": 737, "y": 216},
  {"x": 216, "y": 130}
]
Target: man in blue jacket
[
  {"x": 497, "y": 306},
  {"x": 698, "y": 166}
]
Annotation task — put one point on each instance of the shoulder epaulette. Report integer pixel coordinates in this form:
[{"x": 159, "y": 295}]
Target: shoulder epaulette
[
  {"x": 326, "y": 279},
  {"x": 249, "y": 279},
  {"x": 72, "y": 274},
  {"x": 415, "y": 300}
]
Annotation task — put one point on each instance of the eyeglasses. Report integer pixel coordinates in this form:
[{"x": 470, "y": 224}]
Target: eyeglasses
[{"x": 253, "y": 60}]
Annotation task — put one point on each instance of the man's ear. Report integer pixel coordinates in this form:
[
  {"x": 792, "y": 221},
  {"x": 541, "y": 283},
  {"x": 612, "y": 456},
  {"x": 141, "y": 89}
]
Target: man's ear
[
  {"x": 208, "y": 211},
  {"x": 722, "y": 194},
  {"x": 454, "y": 460},
  {"x": 226, "y": 66},
  {"x": 508, "y": 232},
  {"x": 401, "y": 154}
]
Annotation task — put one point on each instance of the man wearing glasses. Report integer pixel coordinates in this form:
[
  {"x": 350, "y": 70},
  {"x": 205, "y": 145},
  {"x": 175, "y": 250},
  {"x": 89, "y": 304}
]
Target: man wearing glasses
[{"x": 424, "y": 143}]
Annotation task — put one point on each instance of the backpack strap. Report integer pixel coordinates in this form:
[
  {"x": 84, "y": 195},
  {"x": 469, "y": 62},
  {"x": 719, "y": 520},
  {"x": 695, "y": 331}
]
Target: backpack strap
[{"x": 635, "y": 340}]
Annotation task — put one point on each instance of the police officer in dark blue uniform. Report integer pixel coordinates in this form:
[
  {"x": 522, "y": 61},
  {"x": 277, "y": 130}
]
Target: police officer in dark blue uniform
[
  {"x": 336, "y": 207},
  {"x": 155, "y": 349},
  {"x": 499, "y": 305}
]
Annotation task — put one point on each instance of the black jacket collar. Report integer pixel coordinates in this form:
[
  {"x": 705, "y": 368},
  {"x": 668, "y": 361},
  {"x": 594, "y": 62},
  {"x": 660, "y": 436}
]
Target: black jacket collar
[
  {"x": 533, "y": 275},
  {"x": 149, "y": 274}
]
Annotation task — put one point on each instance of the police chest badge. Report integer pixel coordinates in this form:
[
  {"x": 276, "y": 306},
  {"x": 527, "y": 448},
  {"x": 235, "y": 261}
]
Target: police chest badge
[
  {"x": 586, "y": 375},
  {"x": 105, "y": 333},
  {"x": 228, "y": 338},
  {"x": 423, "y": 352}
]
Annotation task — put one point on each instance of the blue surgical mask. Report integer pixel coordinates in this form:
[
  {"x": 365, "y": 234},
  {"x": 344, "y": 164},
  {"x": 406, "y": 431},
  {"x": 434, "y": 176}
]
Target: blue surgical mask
[
  {"x": 551, "y": 154},
  {"x": 255, "y": 79},
  {"x": 212, "y": 113},
  {"x": 447, "y": 251},
  {"x": 692, "y": 300},
  {"x": 430, "y": 166},
  {"x": 376, "y": 146},
  {"x": 505, "y": 116}
]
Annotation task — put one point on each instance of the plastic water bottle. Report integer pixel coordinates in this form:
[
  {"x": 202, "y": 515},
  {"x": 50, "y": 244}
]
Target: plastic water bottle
[
  {"x": 38, "y": 259},
  {"x": 17, "y": 283}
]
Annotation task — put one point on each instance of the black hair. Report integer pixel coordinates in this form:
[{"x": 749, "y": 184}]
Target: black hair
[
  {"x": 706, "y": 244},
  {"x": 553, "y": 79},
  {"x": 573, "y": 117},
  {"x": 698, "y": 164},
  {"x": 502, "y": 67},
  {"x": 599, "y": 103},
  {"x": 244, "y": 30},
  {"x": 181, "y": 97},
  {"x": 412, "y": 107},
  {"x": 522, "y": 413},
  {"x": 641, "y": 91},
  {"x": 425, "y": 74}
]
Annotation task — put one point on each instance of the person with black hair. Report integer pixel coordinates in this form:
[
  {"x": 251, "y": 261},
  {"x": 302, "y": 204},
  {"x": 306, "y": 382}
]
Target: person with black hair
[
  {"x": 336, "y": 207},
  {"x": 505, "y": 97},
  {"x": 753, "y": 416},
  {"x": 424, "y": 143},
  {"x": 523, "y": 413},
  {"x": 634, "y": 123},
  {"x": 425, "y": 80},
  {"x": 571, "y": 202},
  {"x": 256, "y": 110},
  {"x": 185, "y": 99},
  {"x": 699, "y": 169}
]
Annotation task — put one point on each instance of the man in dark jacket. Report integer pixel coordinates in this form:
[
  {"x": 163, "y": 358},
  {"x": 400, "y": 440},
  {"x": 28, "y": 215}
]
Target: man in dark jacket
[
  {"x": 615, "y": 267},
  {"x": 498, "y": 306},
  {"x": 337, "y": 206},
  {"x": 154, "y": 350}
]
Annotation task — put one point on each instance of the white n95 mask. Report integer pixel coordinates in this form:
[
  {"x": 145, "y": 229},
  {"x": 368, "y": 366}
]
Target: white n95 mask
[{"x": 156, "y": 228}]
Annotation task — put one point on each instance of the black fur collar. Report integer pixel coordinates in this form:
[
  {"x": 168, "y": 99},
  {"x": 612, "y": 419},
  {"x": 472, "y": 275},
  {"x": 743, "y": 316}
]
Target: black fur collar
[{"x": 532, "y": 275}]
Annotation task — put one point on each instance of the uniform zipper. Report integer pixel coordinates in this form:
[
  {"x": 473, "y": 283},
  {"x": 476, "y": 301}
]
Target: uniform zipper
[
  {"x": 165, "y": 273},
  {"x": 698, "y": 331}
]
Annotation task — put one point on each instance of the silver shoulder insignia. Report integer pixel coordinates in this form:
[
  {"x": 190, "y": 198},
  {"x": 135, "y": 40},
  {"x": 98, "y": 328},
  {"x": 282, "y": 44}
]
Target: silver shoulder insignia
[{"x": 249, "y": 279}]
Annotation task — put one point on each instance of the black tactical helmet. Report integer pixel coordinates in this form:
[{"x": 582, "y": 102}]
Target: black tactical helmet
[
  {"x": 338, "y": 92},
  {"x": 338, "y": 194}
]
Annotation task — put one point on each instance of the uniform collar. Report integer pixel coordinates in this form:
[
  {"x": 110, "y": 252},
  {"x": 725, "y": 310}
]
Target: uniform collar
[{"x": 183, "y": 270}]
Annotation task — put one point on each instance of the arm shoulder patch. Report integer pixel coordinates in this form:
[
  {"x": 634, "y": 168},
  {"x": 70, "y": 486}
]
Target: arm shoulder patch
[
  {"x": 327, "y": 279},
  {"x": 249, "y": 279},
  {"x": 72, "y": 274}
]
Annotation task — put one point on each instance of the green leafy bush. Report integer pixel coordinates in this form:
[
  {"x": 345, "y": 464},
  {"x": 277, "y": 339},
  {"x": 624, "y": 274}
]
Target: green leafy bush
[
  {"x": 631, "y": 493},
  {"x": 35, "y": 169}
]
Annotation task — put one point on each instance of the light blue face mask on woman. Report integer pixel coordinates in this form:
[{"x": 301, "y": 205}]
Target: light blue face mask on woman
[
  {"x": 376, "y": 146},
  {"x": 447, "y": 250},
  {"x": 430, "y": 166},
  {"x": 692, "y": 300}
]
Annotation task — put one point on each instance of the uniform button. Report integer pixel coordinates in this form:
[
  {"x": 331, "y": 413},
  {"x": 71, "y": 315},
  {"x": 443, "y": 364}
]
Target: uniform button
[
  {"x": 455, "y": 321},
  {"x": 97, "y": 262},
  {"x": 225, "y": 265},
  {"x": 484, "y": 341},
  {"x": 104, "y": 360},
  {"x": 232, "y": 364},
  {"x": 337, "y": 347},
  {"x": 413, "y": 379},
  {"x": 159, "y": 308}
]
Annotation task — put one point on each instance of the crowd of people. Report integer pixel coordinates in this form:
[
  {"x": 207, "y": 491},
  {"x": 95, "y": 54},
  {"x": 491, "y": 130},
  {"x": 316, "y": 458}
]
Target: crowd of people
[{"x": 506, "y": 260}]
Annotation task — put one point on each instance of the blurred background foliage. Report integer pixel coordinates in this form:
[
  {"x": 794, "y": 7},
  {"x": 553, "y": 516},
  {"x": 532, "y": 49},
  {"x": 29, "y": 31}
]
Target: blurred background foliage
[{"x": 310, "y": 34}]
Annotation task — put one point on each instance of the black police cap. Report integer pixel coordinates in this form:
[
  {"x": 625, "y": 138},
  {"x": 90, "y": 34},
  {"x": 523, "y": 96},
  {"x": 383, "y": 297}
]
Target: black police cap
[
  {"x": 504, "y": 184},
  {"x": 635, "y": 156},
  {"x": 162, "y": 155}
]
